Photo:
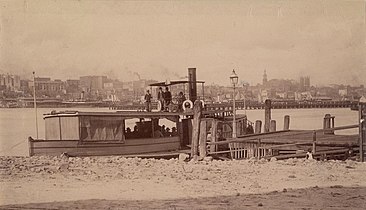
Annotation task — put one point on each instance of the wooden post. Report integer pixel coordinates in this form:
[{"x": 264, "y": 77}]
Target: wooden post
[
  {"x": 213, "y": 135},
  {"x": 203, "y": 139},
  {"x": 197, "y": 112},
  {"x": 363, "y": 137},
  {"x": 35, "y": 102},
  {"x": 327, "y": 124},
  {"x": 314, "y": 143},
  {"x": 153, "y": 127},
  {"x": 258, "y": 126},
  {"x": 258, "y": 149},
  {"x": 30, "y": 146},
  {"x": 286, "y": 124},
  {"x": 361, "y": 128},
  {"x": 267, "y": 115},
  {"x": 272, "y": 127},
  {"x": 245, "y": 125}
]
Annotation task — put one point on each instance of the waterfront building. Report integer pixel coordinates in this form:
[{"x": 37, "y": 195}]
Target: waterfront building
[
  {"x": 48, "y": 88},
  {"x": 9, "y": 82},
  {"x": 25, "y": 86},
  {"x": 304, "y": 83},
  {"x": 92, "y": 83}
]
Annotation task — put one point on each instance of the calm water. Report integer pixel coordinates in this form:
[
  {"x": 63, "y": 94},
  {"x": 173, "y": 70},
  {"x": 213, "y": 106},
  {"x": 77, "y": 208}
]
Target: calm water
[{"x": 17, "y": 124}]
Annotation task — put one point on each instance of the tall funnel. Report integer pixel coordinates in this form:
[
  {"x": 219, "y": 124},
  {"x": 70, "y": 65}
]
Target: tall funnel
[{"x": 192, "y": 84}]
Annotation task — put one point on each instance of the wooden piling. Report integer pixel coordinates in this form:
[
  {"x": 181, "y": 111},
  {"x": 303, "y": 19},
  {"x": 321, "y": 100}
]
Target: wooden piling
[
  {"x": 258, "y": 126},
  {"x": 286, "y": 123},
  {"x": 363, "y": 139},
  {"x": 314, "y": 143},
  {"x": 272, "y": 127},
  {"x": 213, "y": 147},
  {"x": 203, "y": 139},
  {"x": 197, "y": 114},
  {"x": 328, "y": 123},
  {"x": 362, "y": 130},
  {"x": 267, "y": 115}
]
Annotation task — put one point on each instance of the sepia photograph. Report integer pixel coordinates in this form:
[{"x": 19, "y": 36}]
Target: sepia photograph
[{"x": 182, "y": 104}]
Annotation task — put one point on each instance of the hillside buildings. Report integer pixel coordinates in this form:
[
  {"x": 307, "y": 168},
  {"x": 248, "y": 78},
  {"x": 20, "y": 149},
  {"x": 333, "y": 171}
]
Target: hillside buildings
[
  {"x": 101, "y": 88},
  {"x": 9, "y": 82}
]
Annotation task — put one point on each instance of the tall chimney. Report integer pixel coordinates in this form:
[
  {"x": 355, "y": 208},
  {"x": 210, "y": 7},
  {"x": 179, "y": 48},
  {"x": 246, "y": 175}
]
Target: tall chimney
[{"x": 192, "y": 84}]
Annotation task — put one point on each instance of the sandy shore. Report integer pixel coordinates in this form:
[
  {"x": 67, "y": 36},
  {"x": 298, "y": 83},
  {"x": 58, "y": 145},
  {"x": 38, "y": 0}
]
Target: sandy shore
[{"x": 117, "y": 182}]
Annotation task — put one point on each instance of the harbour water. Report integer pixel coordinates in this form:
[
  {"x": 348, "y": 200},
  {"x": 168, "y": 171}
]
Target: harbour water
[{"x": 16, "y": 125}]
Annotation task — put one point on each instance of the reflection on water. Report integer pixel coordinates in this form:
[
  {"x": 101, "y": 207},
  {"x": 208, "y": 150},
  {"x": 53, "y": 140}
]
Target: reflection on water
[{"x": 16, "y": 125}]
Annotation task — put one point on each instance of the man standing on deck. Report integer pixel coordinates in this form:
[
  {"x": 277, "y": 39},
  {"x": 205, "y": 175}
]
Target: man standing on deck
[
  {"x": 148, "y": 101},
  {"x": 161, "y": 98},
  {"x": 167, "y": 98},
  {"x": 181, "y": 99}
]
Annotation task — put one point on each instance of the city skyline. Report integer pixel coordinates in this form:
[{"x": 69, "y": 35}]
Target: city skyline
[{"x": 159, "y": 40}]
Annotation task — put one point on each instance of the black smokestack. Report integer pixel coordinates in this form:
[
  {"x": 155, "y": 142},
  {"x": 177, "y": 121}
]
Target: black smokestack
[{"x": 192, "y": 84}]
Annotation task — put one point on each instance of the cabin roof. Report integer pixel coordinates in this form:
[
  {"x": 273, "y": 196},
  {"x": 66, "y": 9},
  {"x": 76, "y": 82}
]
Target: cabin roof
[
  {"x": 135, "y": 114},
  {"x": 128, "y": 114},
  {"x": 176, "y": 82}
]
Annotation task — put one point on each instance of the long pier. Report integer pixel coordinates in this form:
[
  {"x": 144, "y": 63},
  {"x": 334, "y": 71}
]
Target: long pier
[
  {"x": 257, "y": 105},
  {"x": 284, "y": 105},
  {"x": 320, "y": 143}
]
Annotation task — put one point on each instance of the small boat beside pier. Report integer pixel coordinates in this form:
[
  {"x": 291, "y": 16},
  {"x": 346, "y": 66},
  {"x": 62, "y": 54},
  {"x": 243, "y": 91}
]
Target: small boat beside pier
[
  {"x": 195, "y": 129},
  {"x": 110, "y": 133}
]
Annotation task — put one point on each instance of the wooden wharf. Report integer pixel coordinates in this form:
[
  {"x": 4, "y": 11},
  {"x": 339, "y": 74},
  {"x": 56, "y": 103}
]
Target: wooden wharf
[
  {"x": 320, "y": 143},
  {"x": 289, "y": 143},
  {"x": 256, "y": 105}
]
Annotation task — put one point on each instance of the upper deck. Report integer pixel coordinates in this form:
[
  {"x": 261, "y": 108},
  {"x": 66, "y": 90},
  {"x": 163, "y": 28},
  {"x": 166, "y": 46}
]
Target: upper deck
[{"x": 220, "y": 114}]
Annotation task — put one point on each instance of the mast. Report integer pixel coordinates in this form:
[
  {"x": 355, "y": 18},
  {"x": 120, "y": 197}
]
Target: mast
[{"x": 34, "y": 100}]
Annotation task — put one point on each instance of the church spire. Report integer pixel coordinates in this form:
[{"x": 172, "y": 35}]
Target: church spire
[{"x": 265, "y": 80}]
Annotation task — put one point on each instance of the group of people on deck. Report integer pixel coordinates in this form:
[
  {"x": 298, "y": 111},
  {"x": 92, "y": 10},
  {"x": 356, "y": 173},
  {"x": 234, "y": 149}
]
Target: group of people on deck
[
  {"x": 165, "y": 99},
  {"x": 161, "y": 131}
]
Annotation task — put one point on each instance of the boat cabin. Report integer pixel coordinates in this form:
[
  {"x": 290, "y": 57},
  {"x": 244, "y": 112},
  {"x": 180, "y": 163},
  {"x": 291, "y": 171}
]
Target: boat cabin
[
  {"x": 136, "y": 133},
  {"x": 128, "y": 133},
  {"x": 107, "y": 133}
]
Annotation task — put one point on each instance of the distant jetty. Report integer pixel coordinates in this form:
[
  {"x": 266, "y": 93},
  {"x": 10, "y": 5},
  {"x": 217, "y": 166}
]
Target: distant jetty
[{"x": 258, "y": 105}]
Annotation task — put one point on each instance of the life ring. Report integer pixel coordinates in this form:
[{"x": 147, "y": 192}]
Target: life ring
[
  {"x": 190, "y": 104},
  {"x": 203, "y": 103},
  {"x": 159, "y": 106}
]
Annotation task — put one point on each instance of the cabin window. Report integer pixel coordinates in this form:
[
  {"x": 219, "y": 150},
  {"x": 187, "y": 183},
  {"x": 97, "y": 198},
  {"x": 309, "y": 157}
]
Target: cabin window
[
  {"x": 95, "y": 128},
  {"x": 69, "y": 128},
  {"x": 52, "y": 128},
  {"x": 150, "y": 128}
]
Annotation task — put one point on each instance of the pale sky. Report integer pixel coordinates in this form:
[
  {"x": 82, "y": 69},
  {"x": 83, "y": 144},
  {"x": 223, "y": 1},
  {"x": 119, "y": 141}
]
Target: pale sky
[{"x": 62, "y": 39}]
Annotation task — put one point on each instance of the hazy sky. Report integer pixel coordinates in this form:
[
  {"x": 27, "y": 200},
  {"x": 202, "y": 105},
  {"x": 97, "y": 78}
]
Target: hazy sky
[{"x": 161, "y": 39}]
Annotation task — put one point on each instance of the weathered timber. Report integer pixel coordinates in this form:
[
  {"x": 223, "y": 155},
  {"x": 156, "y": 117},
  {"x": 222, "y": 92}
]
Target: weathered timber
[
  {"x": 203, "y": 139},
  {"x": 328, "y": 124},
  {"x": 362, "y": 129},
  {"x": 298, "y": 136},
  {"x": 267, "y": 115},
  {"x": 286, "y": 124},
  {"x": 197, "y": 112},
  {"x": 258, "y": 126},
  {"x": 213, "y": 147},
  {"x": 272, "y": 127},
  {"x": 314, "y": 143},
  {"x": 303, "y": 155}
]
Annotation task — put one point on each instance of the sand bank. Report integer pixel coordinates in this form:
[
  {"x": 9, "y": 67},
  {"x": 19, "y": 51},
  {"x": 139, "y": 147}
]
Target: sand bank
[{"x": 58, "y": 179}]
